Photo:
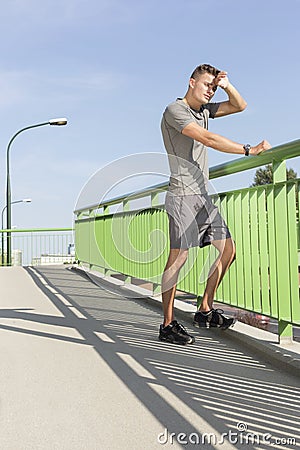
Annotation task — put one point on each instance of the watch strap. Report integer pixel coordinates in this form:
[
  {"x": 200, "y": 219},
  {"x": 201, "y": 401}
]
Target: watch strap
[{"x": 247, "y": 148}]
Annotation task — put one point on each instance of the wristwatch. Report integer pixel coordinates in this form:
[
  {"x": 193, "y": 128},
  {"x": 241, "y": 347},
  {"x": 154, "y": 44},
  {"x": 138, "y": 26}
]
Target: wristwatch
[{"x": 247, "y": 148}]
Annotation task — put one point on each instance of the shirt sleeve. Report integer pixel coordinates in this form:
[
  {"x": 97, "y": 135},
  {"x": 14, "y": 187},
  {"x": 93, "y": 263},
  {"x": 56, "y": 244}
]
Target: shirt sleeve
[
  {"x": 177, "y": 116},
  {"x": 212, "y": 108}
]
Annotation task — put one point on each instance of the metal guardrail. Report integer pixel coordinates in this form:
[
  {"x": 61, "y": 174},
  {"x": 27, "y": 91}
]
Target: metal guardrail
[
  {"x": 275, "y": 156},
  {"x": 39, "y": 246},
  {"x": 263, "y": 220}
]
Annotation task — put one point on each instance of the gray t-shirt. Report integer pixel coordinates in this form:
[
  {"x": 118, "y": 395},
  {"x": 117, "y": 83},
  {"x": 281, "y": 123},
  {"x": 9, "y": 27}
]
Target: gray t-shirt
[{"x": 187, "y": 158}]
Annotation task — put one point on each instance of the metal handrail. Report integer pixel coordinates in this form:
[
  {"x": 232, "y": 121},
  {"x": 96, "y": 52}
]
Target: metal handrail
[
  {"x": 33, "y": 230},
  {"x": 278, "y": 153}
]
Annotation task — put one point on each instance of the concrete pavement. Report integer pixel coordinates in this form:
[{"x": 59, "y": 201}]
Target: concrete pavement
[{"x": 82, "y": 368}]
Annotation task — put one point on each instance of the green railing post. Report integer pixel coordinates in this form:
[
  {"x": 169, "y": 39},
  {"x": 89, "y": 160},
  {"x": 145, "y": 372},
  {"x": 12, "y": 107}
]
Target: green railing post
[
  {"x": 285, "y": 328},
  {"x": 279, "y": 171},
  {"x": 126, "y": 208},
  {"x": 155, "y": 202},
  {"x": 90, "y": 213},
  {"x": 285, "y": 331},
  {"x": 106, "y": 211}
]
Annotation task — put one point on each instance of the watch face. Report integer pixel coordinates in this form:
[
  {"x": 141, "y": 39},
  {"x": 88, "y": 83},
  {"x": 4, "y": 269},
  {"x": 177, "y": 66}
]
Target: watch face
[{"x": 247, "y": 148}]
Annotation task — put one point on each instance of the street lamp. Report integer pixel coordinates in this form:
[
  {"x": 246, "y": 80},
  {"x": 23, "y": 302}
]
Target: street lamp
[
  {"x": 24, "y": 200},
  {"x": 58, "y": 122}
]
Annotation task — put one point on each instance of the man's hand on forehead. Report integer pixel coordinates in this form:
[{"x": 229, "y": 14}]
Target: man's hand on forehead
[{"x": 221, "y": 80}]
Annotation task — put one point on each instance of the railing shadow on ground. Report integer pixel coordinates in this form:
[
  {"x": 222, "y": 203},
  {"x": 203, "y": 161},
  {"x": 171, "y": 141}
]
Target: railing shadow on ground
[{"x": 214, "y": 386}]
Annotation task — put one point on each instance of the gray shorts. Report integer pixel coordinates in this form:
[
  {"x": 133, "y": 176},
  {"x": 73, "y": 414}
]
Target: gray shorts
[{"x": 194, "y": 221}]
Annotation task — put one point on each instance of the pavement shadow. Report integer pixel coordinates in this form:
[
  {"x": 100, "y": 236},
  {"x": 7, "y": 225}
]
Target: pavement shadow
[{"x": 215, "y": 393}]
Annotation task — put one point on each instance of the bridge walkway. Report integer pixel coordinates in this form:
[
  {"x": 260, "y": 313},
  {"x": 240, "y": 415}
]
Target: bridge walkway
[{"x": 82, "y": 368}]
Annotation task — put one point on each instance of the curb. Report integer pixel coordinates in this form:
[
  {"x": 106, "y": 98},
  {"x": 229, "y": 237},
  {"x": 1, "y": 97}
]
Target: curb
[{"x": 284, "y": 356}]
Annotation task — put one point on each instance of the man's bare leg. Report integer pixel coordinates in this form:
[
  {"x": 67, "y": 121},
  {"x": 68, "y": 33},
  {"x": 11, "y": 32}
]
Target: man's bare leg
[
  {"x": 177, "y": 258},
  {"x": 226, "y": 256}
]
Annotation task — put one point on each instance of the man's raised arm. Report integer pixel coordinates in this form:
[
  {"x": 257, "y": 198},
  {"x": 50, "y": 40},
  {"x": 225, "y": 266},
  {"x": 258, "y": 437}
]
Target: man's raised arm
[{"x": 235, "y": 102}]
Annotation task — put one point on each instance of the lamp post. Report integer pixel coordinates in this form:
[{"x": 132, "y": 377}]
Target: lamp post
[
  {"x": 58, "y": 122},
  {"x": 24, "y": 200}
]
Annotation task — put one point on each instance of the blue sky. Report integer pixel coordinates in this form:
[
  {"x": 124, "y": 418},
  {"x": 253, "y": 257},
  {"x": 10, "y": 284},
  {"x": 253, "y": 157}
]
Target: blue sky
[{"x": 111, "y": 67}]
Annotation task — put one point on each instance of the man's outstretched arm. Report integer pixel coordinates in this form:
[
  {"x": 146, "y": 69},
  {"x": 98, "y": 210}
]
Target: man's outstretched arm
[{"x": 218, "y": 142}]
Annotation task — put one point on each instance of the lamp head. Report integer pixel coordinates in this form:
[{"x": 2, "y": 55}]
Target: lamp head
[
  {"x": 61, "y": 121},
  {"x": 27, "y": 200}
]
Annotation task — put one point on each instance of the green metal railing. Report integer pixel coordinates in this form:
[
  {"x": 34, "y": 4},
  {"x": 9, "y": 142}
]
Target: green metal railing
[
  {"x": 38, "y": 246},
  {"x": 263, "y": 221}
]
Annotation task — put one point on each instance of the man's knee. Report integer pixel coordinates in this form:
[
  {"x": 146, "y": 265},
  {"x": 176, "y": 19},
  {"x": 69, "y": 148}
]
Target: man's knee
[
  {"x": 226, "y": 249},
  {"x": 233, "y": 255},
  {"x": 178, "y": 257},
  {"x": 231, "y": 250},
  {"x": 183, "y": 257}
]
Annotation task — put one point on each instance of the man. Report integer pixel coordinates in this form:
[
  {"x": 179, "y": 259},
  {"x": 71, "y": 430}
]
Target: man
[{"x": 193, "y": 219}]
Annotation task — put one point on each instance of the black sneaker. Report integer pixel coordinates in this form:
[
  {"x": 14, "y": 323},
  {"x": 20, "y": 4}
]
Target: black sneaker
[
  {"x": 175, "y": 333},
  {"x": 202, "y": 320},
  {"x": 221, "y": 321},
  {"x": 213, "y": 318}
]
